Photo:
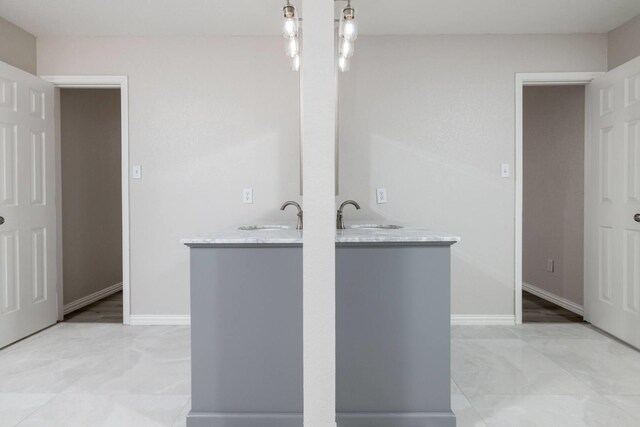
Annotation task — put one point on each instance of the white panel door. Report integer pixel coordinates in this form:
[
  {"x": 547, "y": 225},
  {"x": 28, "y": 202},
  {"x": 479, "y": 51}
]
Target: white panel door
[
  {"x": 612, "y": 196},
  {"x": 28, "y": 300}
]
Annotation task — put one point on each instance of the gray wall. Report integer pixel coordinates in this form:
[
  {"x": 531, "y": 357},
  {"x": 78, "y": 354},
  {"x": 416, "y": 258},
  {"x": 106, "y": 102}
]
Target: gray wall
[
  {"x": 554, "y": 189},
  {"x": 208, "y": 116},
  {"x": 431, "y": 119},
  {"x": 91, "y": 190},
  {"x": 17, "y": 47},
  {"x": 624, "y": 43}
]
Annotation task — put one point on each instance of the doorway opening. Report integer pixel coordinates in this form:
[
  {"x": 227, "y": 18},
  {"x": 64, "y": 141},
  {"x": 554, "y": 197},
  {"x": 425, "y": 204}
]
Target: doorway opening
[
  {"x": 90, "y": 155},
  {"x": 96, "y": 171},
  {"x": 549, "y": 226},
  {"x": 553, "y": 203}
]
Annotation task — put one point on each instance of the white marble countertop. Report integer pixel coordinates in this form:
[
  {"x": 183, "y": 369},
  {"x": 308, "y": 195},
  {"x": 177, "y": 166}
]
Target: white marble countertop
[{"x": 283, "y": 235}]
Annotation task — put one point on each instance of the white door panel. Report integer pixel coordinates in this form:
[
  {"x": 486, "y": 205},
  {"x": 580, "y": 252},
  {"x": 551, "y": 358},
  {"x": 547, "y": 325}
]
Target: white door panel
[
  {"x": 612, "y": 197},
  {"x": 28, "y": 300}
]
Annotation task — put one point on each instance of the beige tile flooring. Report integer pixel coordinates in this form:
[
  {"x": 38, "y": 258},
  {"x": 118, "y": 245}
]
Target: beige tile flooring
[{"x": 546, "y": 375}]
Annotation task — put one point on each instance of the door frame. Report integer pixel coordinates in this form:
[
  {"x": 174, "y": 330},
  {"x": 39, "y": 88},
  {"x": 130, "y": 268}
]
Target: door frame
[
  {"x": 98, "y": 82},
  {"x": 522, "y": 80}
]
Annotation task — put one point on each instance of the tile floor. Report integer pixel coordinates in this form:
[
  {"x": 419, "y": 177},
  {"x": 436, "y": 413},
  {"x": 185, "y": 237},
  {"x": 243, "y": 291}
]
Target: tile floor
[{"x": 535, "y": 375}]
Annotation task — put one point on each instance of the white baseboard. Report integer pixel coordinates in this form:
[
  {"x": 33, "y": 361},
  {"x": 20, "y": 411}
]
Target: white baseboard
[
  {"x": 185, "y": 319},
  {"x": 90, "y": 299},
  {"x": 548, "y": 296},
  {"x": 483, "y": 319},
  {"x": 160, "y": 320}
]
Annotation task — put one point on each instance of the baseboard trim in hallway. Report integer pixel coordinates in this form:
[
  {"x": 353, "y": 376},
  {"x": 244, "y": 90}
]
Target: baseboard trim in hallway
[
  {"x": 554, "y": 299},
  {"x": 90, "y": 299}
]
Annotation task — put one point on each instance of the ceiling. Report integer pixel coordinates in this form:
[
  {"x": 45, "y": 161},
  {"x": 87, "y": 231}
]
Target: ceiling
[{"x": 262, "y": 17}]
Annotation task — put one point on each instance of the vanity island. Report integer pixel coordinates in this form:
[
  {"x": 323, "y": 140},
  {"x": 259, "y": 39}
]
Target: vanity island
[{"x": 392, "y": 328}]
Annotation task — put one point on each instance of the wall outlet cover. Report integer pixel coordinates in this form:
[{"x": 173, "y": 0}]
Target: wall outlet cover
[
  {"x": 381, "y": 195},
  {"x": 247, "y": 195}
]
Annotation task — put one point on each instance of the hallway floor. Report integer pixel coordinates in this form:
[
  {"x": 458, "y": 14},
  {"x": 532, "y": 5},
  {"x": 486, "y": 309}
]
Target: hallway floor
[
  {"x": 96, "y": 374},
  {"x": 107, "y": 310},
  {"x": 536, "y": 309}
]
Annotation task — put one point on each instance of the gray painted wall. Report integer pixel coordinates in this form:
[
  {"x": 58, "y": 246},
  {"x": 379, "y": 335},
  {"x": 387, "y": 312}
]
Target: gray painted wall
[
  {"x": 554, "y": 189},
  {"x": 428, "y": 117},
  {"x": 624, "y": 43},
  {"x": 17, "y": 47},
  {"x": 431, "y": 119},
  {"x": 91, "y": 190},
  {"x": 208, "y": 116}
]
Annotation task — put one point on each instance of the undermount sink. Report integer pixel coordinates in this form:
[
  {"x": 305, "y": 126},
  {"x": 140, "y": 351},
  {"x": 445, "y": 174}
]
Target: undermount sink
[
  {"x": 264, "y": 227},
  {"x": 376, "y": 227}
]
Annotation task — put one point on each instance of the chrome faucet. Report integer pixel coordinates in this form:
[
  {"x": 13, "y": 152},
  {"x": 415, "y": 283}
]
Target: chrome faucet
[
  {"x": 339, "y": 217},
  {"x": 292, "y": 203}
]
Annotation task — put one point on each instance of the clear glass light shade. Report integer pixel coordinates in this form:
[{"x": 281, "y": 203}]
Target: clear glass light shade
[
  {"x": 292, "y": 47},
  {"x": 295, "y": 63},
  {"x": 346, "y": 48},
  {"x": 348, "y": 29},
  {"x": 344, "y": 64},
  {"x": 290, "y": 27}
]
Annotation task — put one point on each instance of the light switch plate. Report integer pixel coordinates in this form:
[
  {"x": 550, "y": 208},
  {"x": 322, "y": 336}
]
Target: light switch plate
[
  {"x": 247, "y": 195},
  {"x": 381, "y": 195},
  {"x": 505, "y": 170},
  {"x": 136, "y": 173},
  {"x": 550, "y": 265}
]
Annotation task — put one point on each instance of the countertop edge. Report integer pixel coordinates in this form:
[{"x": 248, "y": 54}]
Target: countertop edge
[
  {"x": 202, "y": 243},
  {"x": 405, "y": 235}
]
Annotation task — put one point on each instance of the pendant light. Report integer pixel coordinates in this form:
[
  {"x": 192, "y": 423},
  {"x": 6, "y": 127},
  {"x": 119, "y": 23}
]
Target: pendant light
[
  {"x": 291, "y": 34},
  {"x": 348, "y": 24},
  {"x": 295, "y": 63},
  {"x": 291, "y": 24},
  {"x": 344, "y": 64},
  {"x": 348, "y": 33}
]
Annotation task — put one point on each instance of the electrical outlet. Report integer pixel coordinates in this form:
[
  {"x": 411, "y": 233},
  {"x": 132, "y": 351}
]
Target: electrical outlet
[
  {"x": 550, "y": 265},
  {"x": 381, "y": 195},
  {"x": 136, "y": 172},
  {"x": 247, "y": 195},
  {"x": 505, "y": 170}
]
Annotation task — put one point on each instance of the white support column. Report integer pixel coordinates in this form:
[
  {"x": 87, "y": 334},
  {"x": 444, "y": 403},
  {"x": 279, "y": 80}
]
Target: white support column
[{"x": 318, "y": 122}]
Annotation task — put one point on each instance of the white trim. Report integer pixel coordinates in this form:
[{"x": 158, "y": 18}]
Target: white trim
[
  {"x": 521, "y": 80},
  {"x": 122, "y": 83},
  {"x": 160, "y": 320},
  {"x": 90, "y": 299},
  {"x": 483, "y": 319},
  {"x": 456, "y": 319},
  {"x": 58, "y": 198},
  {"x": 553, "y": 298},
  {"x": 89, "y": 82}
]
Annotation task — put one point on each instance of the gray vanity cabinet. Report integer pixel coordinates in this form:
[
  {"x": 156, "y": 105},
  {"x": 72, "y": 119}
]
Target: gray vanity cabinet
[
  {"x": 392, "y": 331},
  {"x": 246, "y": 336},
  {"x": 393, "y": 336}
]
